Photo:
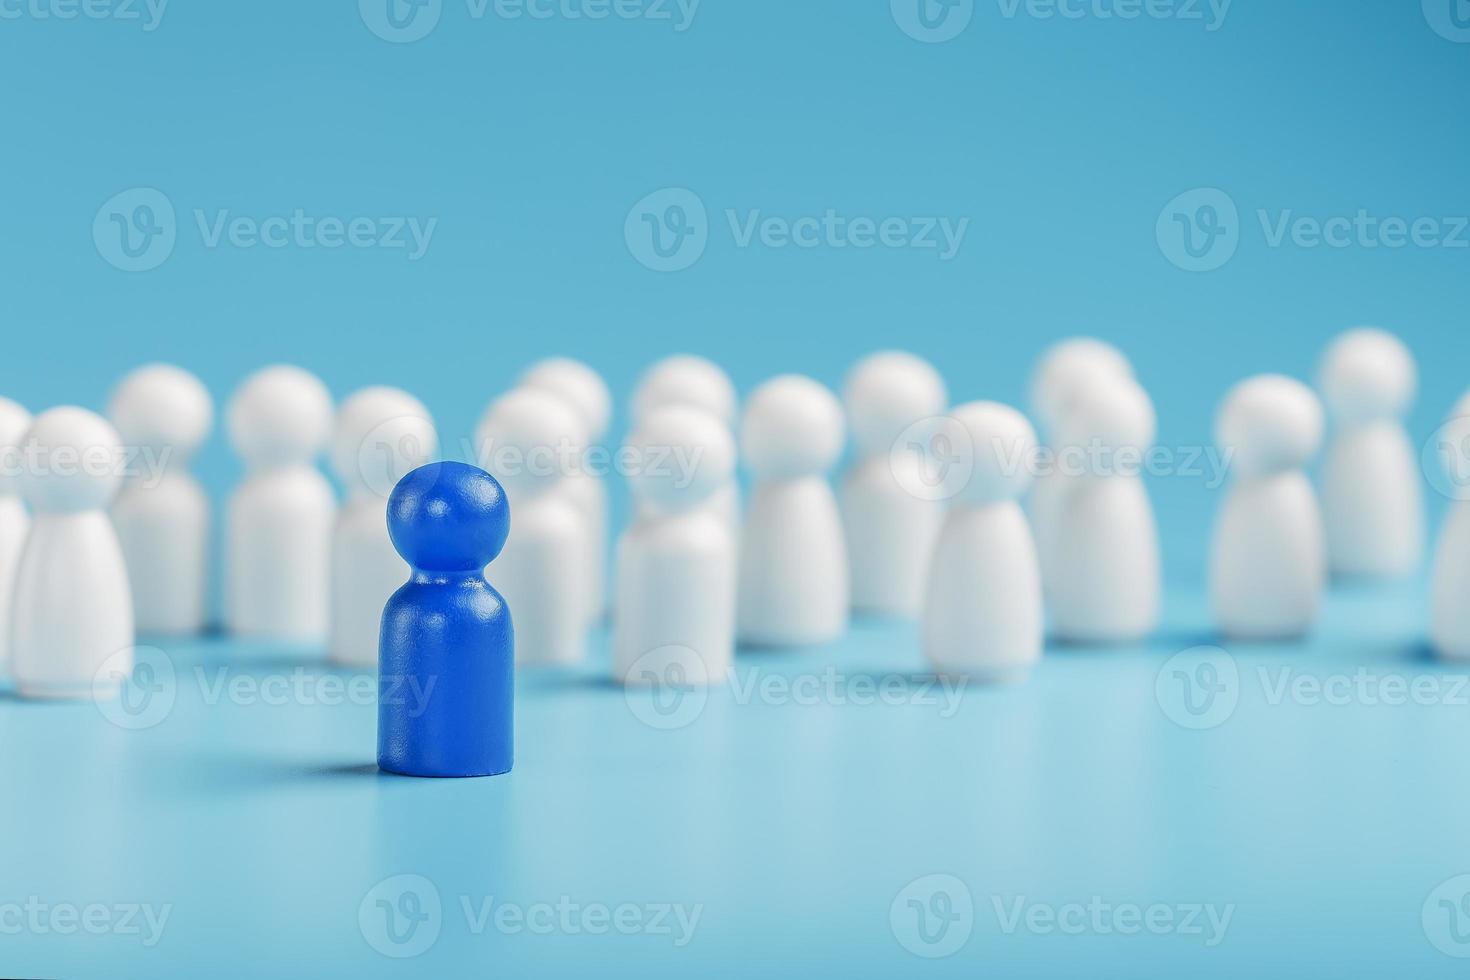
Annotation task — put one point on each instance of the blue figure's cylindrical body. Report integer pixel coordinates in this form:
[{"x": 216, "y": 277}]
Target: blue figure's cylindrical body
[{"x": 446, "y": 657}]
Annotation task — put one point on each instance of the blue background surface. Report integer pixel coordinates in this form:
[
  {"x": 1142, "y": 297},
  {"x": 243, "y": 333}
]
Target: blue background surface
[{"x": 1061, "y": 140}]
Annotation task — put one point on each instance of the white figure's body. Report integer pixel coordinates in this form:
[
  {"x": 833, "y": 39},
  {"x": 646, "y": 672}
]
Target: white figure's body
[
  {"x": 15, "y": 522},
  {"x": 278, "y": 539},
  {"x": 381, "y": 435},
  {"x": 890, "y": 530},
  {"x": 793, "y": 587},
  {"x": 1268, "y": 566},
  {"x": 1372, "y": 499},
  {"x": 1106, "y": 583},
  {"x": 1065, "y": 370},
  {"x": 162, "y": 513},
  {"x": 694, "y": 382},
  {"x": 543, "y": 572},
  {"x": 584, "y": 390},
  {"x": 674, "y": 618},
  {"x": 983, "y": 615},
  {"x": 1449, "y": 626},
  {"x": 73, "y": 612}
]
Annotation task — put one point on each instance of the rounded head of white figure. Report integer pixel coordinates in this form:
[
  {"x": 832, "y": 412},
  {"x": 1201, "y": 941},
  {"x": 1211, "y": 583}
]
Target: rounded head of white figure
[
  {"x": 1269, "y": 424},
  {"x": 1367, "y": 374},
  {"x": 582, "y": 388},
  {"x": 684, "y": 455},
  {"x": 381, "y": 435},
  {"x": 14, "y": 422},
  {"x": 1112, "y": 414},
  {"x": 1068, "y": 366},
  {"x": 685, "y": 379},
  {"x": 792, "y": 428},
  {"x": 72, "y": 461},
  {"x": 1002, "y": 445},
  {"x": 529, "y": 440},
  {"x": 162, "y": 408},
  {"x": 280, "y": 415},
  {"x": 886, "y": 393}
]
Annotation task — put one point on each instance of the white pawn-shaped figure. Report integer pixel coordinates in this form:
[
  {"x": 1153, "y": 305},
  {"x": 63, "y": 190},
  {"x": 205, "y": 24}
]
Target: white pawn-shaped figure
[
  {"x": 278, "y": 539},
  {"x": 73, "y": 612},
  {"x": 1065, "y": 369},
  {"x": 1106, "y": 582},
  {"x": 1268, "y": 566},
  {"x": 793, "y": 558},
  {"x": 695, "y": 382},
  {"x": 585, "y": 391},
  {"x": 1449, "y": 628},
  {"x": 1372, "y": 502},
  {"x": 14, "y": 521},
  {"x": 543, "y": 573},
  {"x": 890, "y": 527},
  {"x": 162, "y": 513},
  {"x": 983, "y": 607},
  {"x": 381, "y": 435},
  {"x": 674, "y": 618}
]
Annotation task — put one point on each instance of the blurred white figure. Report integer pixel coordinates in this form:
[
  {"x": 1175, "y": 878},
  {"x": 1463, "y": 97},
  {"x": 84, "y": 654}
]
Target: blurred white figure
[
  {"x": 1449, "y": 629},
  {"x": 585, "y": 391},
  {"x": 72, "y": 623},
  {"x": 162, "y": 514},
  {"x": 793, "y": 561},
  {"x": 381, "y": 434},
  {"x": 1268, "y": 568},
  {"x": 890, "y": 530},
  {"x": 983, "y": 607},
  {"x": 1372, "y": 501},
  {"x": 687, "y": 380},
  {"x": 1065, "y": 369},
  {"x": 674, "y": 619},
  {"x": 14, "y": 521},
  {"x": 278, "y": 535},
  {"x": 543, "y": 573},
  {"x": 1105, "y": 586}
]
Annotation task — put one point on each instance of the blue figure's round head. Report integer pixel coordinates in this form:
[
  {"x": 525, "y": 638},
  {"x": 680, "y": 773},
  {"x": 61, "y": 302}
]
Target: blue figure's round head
[{"x": 448, "y": 517}]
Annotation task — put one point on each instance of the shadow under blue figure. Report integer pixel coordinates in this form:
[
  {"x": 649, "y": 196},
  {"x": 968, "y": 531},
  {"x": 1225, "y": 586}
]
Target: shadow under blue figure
[{"x": 446, "y": 653}]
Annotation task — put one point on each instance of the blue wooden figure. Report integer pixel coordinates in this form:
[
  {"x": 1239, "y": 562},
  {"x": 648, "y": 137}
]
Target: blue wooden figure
[{"x": 446, "y": 653}]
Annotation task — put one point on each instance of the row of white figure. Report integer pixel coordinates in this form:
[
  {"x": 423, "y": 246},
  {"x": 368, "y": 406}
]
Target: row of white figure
[{"x": 693, "y": 573}]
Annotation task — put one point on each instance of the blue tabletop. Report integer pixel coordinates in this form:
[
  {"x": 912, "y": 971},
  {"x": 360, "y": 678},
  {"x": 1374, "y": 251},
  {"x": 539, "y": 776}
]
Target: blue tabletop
[{"x": 1176, "y": 807}]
